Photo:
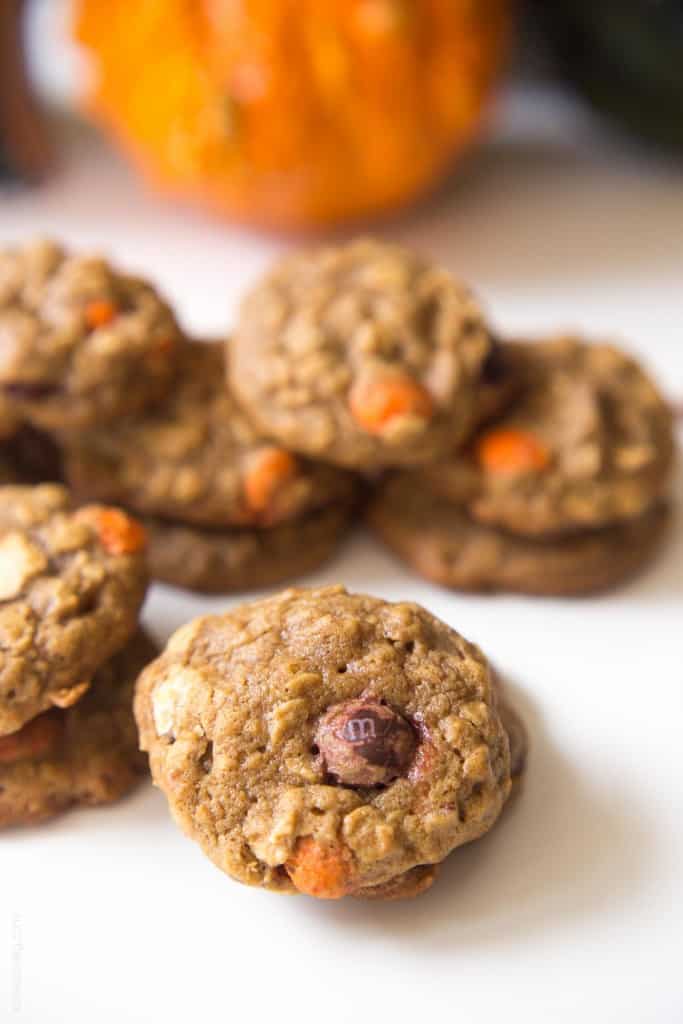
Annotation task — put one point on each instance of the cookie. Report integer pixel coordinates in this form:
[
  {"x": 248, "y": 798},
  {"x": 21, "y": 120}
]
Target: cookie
[
  {"x": 441, "y": 542},
  {"x": 588, "y": 442},
  {"x": 362, "y": 355},
  {"x": 80, "y": 343},
  {"x": 224, "y": 561},
  {"x": 71, "y": 586},
  {"x": 196, "y": 458},
  {"x": 325, "y": 742},
  {"x": 85, "y": 755}
]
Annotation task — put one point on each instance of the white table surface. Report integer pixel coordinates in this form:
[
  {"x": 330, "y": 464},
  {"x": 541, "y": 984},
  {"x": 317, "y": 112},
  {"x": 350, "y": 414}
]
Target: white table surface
[{"x": 573, "y": 908}]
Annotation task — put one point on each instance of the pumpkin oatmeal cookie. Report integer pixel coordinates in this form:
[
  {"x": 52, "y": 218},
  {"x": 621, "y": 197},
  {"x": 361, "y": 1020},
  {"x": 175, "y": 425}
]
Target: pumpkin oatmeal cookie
[
  {"x": 80, "y": 343},
  {"x": 196, "y": 458},
  {"x": 587, "y": 443},
  {"x": 362, "y": 355},
  {"x": 84, "y": 755},
  {"x": 71, "y": 586},
  {"x": 444, "y": 544},
  {"x": 325, "y": 742}
]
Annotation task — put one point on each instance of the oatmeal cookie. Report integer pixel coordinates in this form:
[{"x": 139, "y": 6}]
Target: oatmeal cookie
[
  {"x": 588, "y": 442},
  {"x": 80, "y": 343},
  {"x": 196, "y": 458},
  {"x": 224, "y": 561},
  {"x": 362, "y": 355},
  {"x": 85, "y": 755},
  {"x": 71, "y": 586},
  {"x": 325, "y": 742},
  {"x": 441, "y": 542}
]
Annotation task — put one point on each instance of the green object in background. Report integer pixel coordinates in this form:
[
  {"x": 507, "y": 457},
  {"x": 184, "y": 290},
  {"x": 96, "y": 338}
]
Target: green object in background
[{"x": 625, "y": 56}]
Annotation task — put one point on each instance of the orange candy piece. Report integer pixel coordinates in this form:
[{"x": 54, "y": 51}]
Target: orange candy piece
[
  {"x": 268, "y": 470},
  {"x": 511, "y": 451},
  {"x": 379, "y": 398},
  {"x": 36, "y": 739},
  {"x": 320, "y": 869},
  {"x": 99, "y": 313},
  {"x": 118, "y": 533}
]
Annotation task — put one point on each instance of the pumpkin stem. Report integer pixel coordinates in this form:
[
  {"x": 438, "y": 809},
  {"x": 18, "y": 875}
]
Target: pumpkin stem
[{"x": 24, "y": 147}]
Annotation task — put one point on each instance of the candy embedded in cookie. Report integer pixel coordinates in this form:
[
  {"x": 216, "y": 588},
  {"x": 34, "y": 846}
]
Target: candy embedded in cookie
[
  {"x": 364, "y": 743},
  {"x": 326, "y": 742}
]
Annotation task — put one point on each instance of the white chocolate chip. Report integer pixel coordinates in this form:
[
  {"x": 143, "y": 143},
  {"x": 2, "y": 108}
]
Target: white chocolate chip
[
  {"x": 19, "y": 561},
  {"x": 170, "y": 696}
]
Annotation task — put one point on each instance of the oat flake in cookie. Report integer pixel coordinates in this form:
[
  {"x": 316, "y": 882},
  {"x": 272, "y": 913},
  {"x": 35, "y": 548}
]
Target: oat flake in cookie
[
  {"x": 196, "y": 458},
  {"x": 71, "y": 586},
  {"x": 80, "y": 343},
  {"x": 363, "y": 355},
  {"x": 325, "y": 742},
  {"x": 87, "y": 754},
  {"x": 588, "y": 442}
]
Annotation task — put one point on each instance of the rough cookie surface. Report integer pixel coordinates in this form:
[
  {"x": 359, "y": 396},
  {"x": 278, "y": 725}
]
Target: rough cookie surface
[
  {"x": 71, "y": 586},
  {"x": 87, "y": 754},
  {"x": 362, "y": 355},
  {"x": 195, "y": 457},
  {"x": 588, "y": 442},
  {"x": 224, "y": 561},
  {"x": 230, "y": 712},
  {"x": 441, "y": 542},
  {"x": 80, "y": 343}
]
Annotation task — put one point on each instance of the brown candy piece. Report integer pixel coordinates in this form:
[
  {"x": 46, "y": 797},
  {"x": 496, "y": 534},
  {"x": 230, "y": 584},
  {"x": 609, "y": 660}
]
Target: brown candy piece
[{"x": 364, "y": 743}]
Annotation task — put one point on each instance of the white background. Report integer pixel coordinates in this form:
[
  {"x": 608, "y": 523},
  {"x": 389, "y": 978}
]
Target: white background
[{"x": 572, "y": 909}]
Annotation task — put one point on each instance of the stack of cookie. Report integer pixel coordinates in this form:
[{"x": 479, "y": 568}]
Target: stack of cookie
[
  {"x": 71, "y": 586},
  {"x": 96, "y": 374},
  {"x": 564, "y": 493},
  {"x": 536, "y": 467},
  {"x": 329, "y": 743},
  {"x": 225, "y": 508}
]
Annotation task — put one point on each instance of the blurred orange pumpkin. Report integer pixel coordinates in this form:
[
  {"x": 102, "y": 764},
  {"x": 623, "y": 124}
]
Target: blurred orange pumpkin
[{"x": 294, "y": 113}]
